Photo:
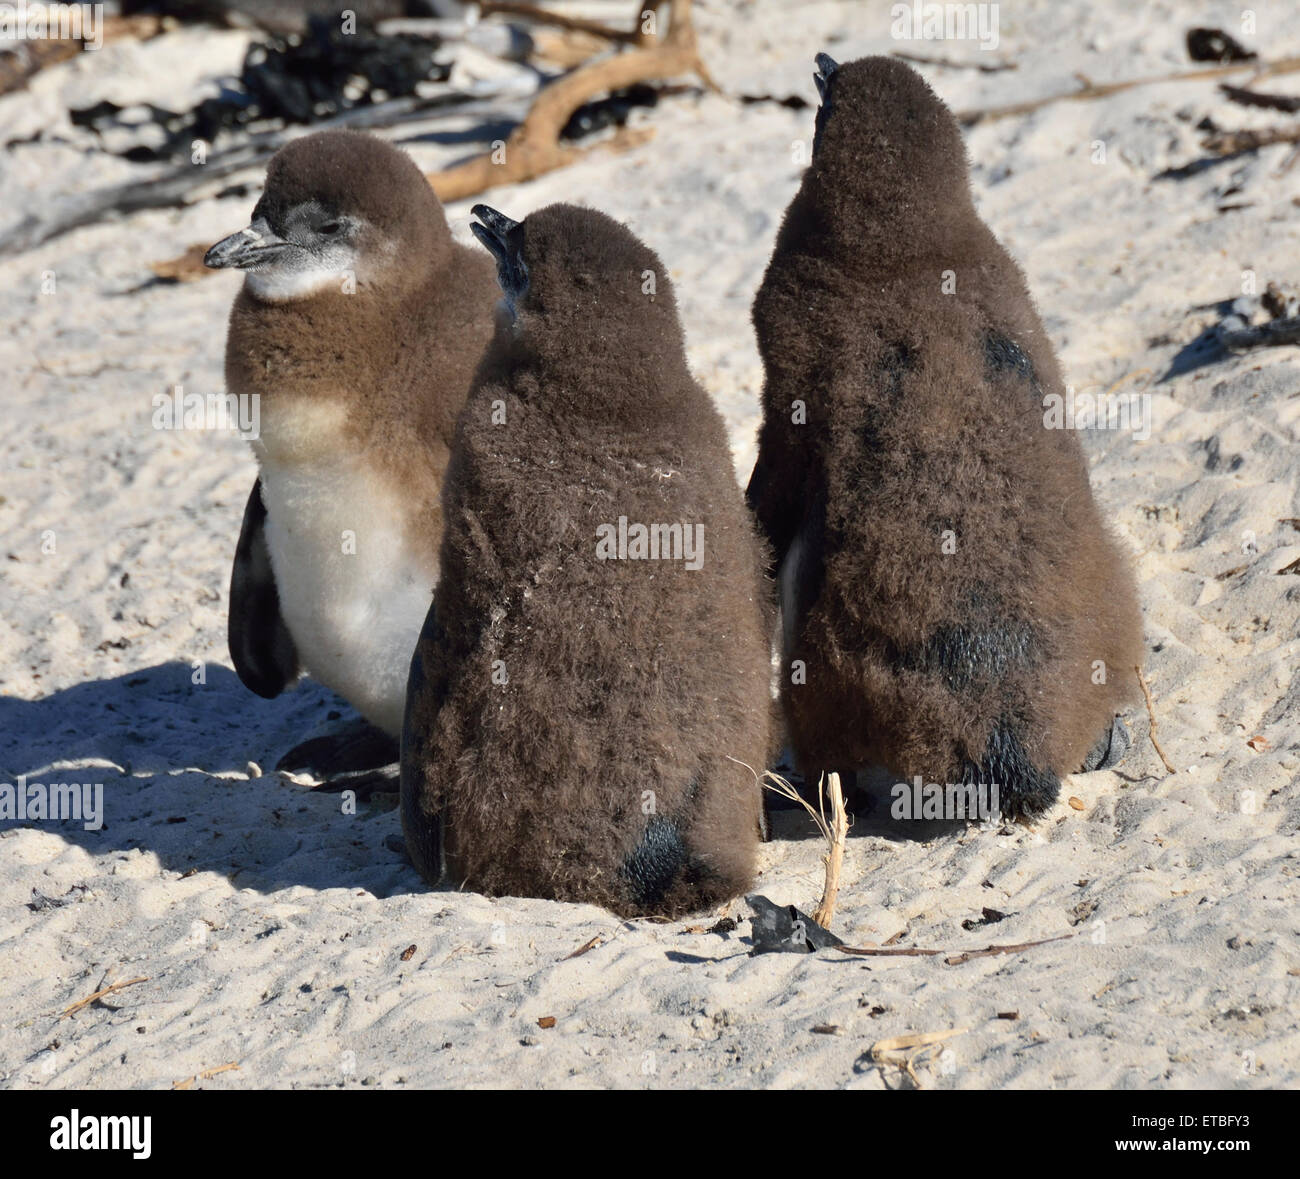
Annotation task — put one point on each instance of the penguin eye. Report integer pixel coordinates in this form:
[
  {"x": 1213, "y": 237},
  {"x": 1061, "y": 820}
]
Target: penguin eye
[{"x": 329, "y": 228}]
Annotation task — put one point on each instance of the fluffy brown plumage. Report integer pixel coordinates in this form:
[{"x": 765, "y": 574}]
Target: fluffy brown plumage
[
  {"x": 572, "y": 721},
  {"x": 397, "y": 353},
  {"x": 359, "y": 328},
  {"x": 925, "y": 425}
]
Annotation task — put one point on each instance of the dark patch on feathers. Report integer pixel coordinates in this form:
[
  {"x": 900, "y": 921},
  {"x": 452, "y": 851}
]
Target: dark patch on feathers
[
  {"x": 965, "y": 657},
  {"x": 1002, "y": 355},
  {"x": 658, "y": 860},
  {"x": 1023, "y": 788}
]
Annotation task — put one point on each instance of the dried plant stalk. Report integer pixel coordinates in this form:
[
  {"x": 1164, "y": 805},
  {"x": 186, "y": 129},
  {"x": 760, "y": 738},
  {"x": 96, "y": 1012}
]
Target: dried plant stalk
[
  {"x": 837, "y": 828},
  {"x": 834, "y": 828}
]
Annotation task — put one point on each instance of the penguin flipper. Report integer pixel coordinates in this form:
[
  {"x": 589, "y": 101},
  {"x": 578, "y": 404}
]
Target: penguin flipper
[
  {"x": 421, "y": 819},
  {"x": 261, "y": 646}
]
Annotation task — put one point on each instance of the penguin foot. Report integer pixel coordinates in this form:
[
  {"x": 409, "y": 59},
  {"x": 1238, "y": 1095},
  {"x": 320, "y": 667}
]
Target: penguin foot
[
  {"x": 1110, "y": 750},
  {"x": 385, "y": 780},
  {"x": 352, "y": 749}
]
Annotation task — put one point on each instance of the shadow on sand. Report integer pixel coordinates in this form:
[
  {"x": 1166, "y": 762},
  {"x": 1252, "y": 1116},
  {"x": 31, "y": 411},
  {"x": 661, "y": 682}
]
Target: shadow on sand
[{"x": 173, "y": 759}]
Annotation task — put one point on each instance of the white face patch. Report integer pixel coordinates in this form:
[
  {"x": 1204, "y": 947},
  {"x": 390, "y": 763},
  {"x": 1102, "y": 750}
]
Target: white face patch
[
  {"x": 301, "y": 273},
  {"x": 278, "y": 284}
]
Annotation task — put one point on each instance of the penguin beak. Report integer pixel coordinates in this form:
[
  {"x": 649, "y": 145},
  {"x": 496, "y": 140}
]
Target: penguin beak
[
  {"x": 248, "y": 248},
  {"x": 494, "y": 231},
  {"x": 826, "y": 67},
  {"x": 504, "y": 241}
]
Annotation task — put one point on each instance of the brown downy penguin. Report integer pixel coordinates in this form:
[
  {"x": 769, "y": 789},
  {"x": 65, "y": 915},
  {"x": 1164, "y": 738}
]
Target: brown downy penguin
[
  {"x": 359, "y": 326},
  {"x": 953, "y": 606},
  {"x": 588, "y": 705}
]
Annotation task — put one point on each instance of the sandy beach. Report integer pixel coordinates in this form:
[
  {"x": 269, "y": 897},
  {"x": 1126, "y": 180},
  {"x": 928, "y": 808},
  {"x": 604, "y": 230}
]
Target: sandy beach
[{"x": 271, "y": 939}]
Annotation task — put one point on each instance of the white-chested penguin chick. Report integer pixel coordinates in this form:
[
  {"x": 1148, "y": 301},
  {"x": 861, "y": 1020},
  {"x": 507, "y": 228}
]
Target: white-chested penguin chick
[
  {"x": 588, "y": 705},
  {"x": 953, "y": 605},
  {"x": 359, "y": 326}
]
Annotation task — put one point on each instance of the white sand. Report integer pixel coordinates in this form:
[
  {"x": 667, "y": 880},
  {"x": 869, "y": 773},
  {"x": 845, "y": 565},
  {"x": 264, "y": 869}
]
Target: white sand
[{"x": 270, "y": 927}]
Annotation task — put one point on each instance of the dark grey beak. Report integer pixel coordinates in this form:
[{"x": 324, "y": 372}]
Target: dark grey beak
[
  {"x": 247, "y": 248},
  {"x": 494, "y": 231},
  {"x": 505, "y": 241},
  {"x": 826, "y": 67}
]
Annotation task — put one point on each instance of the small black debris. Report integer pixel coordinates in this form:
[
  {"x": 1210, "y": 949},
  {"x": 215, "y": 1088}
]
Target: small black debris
[
  {"x": 794, "y": 102},
  {"x": 296, "y": 79},
  {"x": 608, "y": 112},
  {"x": 1216, "y": 45},
  {"x": 40, "y": 902},
  {"x": 988, "y": 917},
  {"x": 786, "y": 930}
]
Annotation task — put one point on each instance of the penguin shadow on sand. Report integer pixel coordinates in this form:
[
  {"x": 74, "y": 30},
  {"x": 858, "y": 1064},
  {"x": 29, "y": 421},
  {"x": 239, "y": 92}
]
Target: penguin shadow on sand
[
  {"x": 868, "y": 804},
  {"x": 175, "y": 761}
]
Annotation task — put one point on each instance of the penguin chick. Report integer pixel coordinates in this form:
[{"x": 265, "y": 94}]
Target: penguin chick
[
  {"x": 358, "y": 327},
  {"x": 590, "y": 690},
  {"x": 953, "y": 606}
]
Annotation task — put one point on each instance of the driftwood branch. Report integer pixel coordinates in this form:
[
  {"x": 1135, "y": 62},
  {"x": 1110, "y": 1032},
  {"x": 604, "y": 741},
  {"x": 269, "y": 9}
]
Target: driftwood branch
[{"x": 534, "y": 147}]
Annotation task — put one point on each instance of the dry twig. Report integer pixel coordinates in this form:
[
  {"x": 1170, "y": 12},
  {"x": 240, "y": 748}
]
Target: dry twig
[
  {"x": 837, "y": 830},
  {"x": 1151, "y": 715},
  {"x": 1276, "y": 102},
  {"x": 953, "y": 959},
  {"x": 1090, "y": 90},
  {"x": 903, "y": 1052},
  {"x": 204, "y": 1075},
  {"x": 985, "y": 67},
  {"x": 99, "y": 994},
  {"x": 585, "y": 948}
]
